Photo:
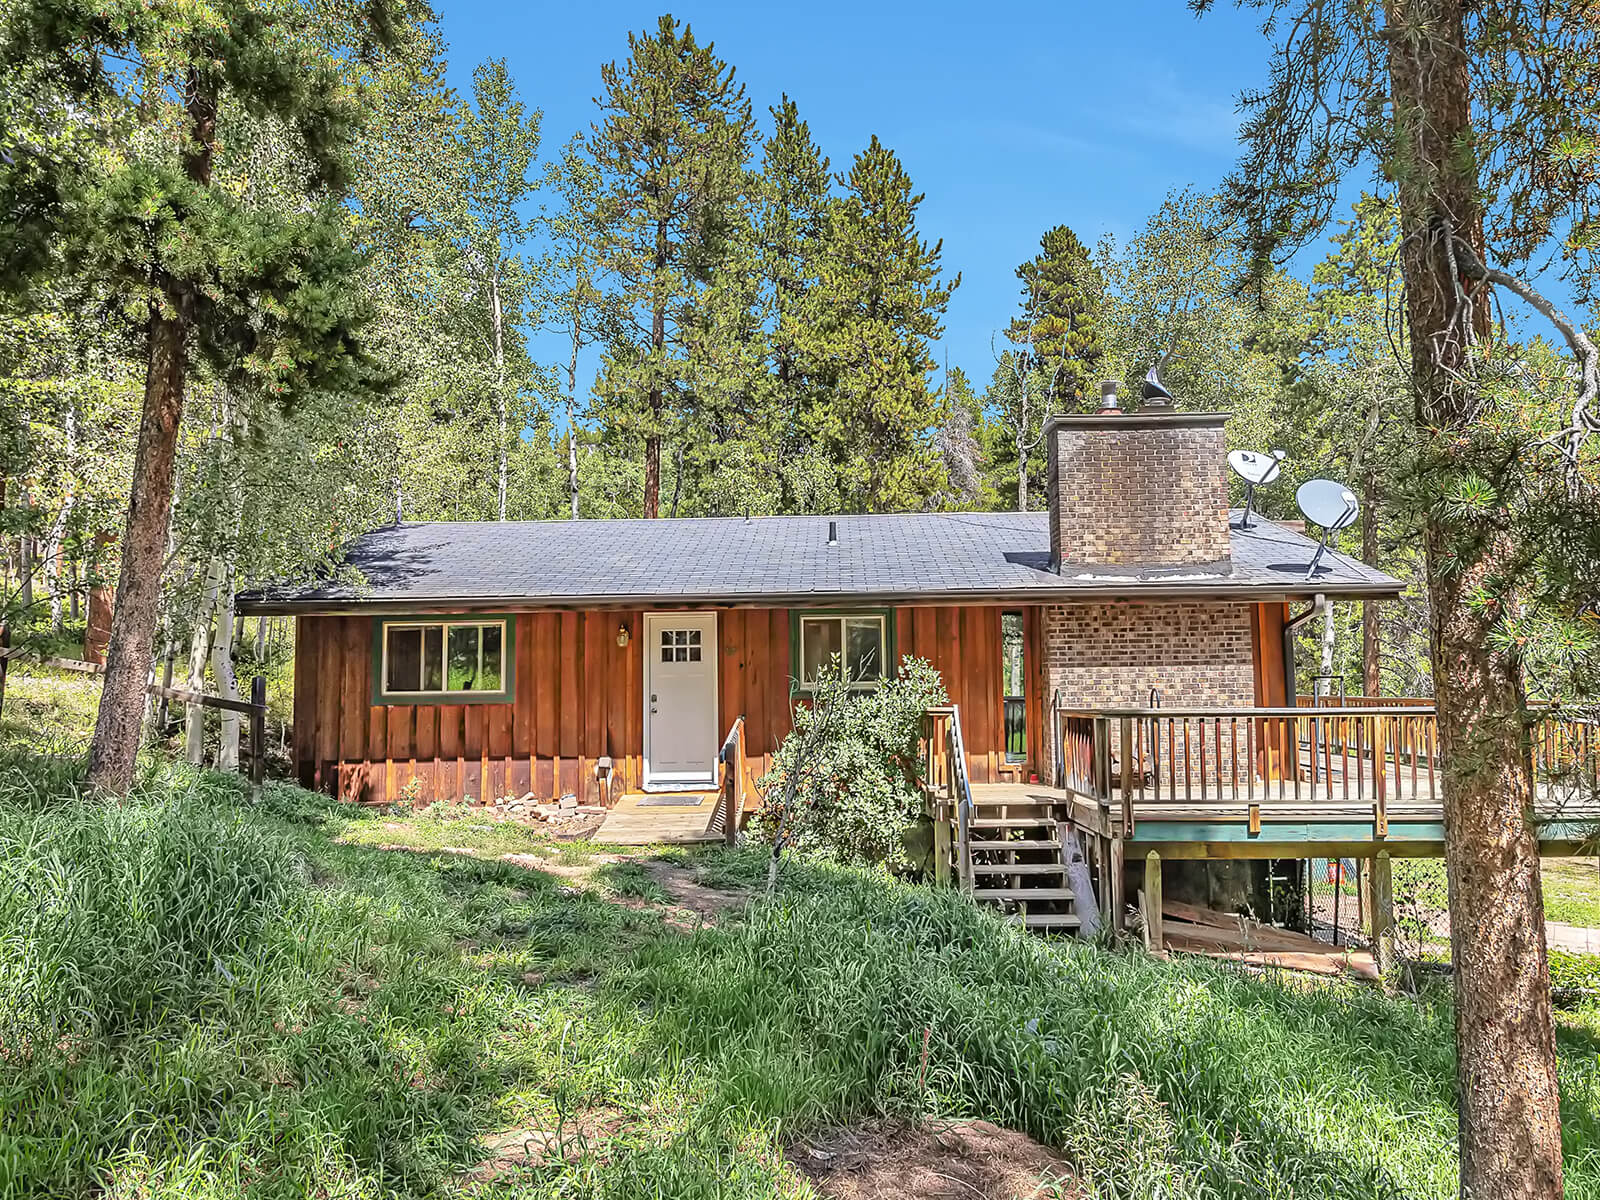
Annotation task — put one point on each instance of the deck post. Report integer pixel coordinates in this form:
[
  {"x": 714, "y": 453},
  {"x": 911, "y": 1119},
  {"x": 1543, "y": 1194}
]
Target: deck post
[
  {"x": 1382, "y": 912},
  {"x": 1117, "y": 917},
  {"x": 1152, "y": 901},
  {"x": 941, "y": 846}
]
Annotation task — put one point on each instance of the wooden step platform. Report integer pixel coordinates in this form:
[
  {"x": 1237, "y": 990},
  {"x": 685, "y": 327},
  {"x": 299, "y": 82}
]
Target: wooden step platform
[{"x": 632, "y": 823}]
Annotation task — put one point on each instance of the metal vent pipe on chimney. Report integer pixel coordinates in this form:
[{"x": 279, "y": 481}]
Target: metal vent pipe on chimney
[{"x": 833, "y": 533}]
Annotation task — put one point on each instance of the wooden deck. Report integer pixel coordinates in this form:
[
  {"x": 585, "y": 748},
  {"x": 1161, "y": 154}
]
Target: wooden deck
[{"x": 631, "y": 822}]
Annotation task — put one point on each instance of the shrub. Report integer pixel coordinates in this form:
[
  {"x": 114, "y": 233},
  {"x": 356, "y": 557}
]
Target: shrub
[
  {"x": 113, "y": 915},
  {"x": 845, "y": 783}
]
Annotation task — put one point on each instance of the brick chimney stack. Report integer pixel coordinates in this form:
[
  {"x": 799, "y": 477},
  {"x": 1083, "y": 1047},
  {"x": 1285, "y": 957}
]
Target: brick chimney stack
[{"x": 1138, "y": 489}]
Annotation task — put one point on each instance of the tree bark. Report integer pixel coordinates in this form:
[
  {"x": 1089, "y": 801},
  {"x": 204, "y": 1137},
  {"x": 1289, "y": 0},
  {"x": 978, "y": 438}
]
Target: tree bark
[
  {"x": 1510, "y": 1127},
  {"x": 133, "y": 622},
  {"x": 133, "y": 618}
]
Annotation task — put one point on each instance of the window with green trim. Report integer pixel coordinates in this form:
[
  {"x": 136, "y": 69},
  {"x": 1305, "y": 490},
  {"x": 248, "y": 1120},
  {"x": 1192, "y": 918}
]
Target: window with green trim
[
  {"x": 859, "y": 641},
  {"x": 452, "y": 660}
]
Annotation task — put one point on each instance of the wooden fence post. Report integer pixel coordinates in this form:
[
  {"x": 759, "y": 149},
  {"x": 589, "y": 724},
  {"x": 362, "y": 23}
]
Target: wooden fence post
[{"x": 258, "y": 736}]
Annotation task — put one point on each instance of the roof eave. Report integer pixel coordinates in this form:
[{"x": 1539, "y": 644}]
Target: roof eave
[{"x": 1060, "y": 594}]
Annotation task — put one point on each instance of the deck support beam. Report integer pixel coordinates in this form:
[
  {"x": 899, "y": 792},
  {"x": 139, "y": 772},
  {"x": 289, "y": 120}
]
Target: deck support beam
[
  {"x": 1379, "y": 902},
  {"x": 1152, "y": 902}
]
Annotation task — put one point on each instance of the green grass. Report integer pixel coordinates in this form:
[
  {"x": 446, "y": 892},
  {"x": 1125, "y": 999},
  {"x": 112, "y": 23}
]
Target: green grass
[
  {"x": 1571, "y": 891},
  {"x": 203, "y": 999},
  {"x": 48, "y": 710}
]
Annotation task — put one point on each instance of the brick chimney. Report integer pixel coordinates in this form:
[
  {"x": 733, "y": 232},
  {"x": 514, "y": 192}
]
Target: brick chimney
[{"x": 1138, "y": 489}]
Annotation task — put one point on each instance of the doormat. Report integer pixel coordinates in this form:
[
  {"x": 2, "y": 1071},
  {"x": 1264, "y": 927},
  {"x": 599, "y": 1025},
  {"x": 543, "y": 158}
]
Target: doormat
[{"x": 671, "y": 801}]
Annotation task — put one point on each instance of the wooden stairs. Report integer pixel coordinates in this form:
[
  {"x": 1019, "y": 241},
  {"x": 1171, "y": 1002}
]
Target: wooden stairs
[
  {"x": 1010, "y": 851},
  {"x": 1016, "y": 861}
]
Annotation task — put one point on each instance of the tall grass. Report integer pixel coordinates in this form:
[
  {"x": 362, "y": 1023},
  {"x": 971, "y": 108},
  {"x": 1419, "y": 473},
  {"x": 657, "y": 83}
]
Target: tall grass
[
  {"x": 204, "y": 999},
  {"x": 114, "y": 916}
]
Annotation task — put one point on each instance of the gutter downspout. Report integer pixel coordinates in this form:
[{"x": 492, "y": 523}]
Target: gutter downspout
[{"x": 1318, "y": 603}]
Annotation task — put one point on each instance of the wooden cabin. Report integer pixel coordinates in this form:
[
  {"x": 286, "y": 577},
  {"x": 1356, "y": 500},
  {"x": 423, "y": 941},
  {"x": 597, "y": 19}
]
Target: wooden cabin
[{"x": 478, "y": 660}]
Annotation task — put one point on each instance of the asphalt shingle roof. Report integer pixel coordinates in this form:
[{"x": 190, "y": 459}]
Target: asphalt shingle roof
[{"x": 911, "y": 556}]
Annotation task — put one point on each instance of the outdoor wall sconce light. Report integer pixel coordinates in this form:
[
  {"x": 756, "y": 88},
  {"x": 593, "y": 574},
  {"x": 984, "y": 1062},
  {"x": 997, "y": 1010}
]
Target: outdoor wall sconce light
[{"x": 623, "y": 635}]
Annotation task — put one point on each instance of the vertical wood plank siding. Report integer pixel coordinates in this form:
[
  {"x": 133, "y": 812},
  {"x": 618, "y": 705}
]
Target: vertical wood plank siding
[{"x": 579, "y": 698}]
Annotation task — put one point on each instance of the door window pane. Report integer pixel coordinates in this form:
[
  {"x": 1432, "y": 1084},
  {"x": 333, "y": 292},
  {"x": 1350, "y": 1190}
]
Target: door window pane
[
  {"x": 463, "y": 663},
  {"x": 864, "y": 649},
  {"x": 405, "y": 660},
  {"x": 489, "y": 678}
]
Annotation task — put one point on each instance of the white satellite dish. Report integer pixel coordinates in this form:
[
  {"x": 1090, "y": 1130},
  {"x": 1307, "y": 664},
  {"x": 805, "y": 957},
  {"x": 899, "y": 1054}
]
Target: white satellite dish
[
  {"x": 1255, "y": 469},
  {"x": 1330, "y": 504}
]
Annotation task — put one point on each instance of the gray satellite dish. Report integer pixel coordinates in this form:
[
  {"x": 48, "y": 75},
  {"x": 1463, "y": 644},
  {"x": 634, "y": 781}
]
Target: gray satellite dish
[
  {"x": 1330, "y": 504},
  {"x": 1255, "y": 469}
]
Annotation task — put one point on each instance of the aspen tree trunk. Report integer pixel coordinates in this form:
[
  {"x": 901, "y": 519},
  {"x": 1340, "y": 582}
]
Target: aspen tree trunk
[
  {"x": 572, "y": 417},
  {"x": 58, "y": 528},
  {"x": 1510, "y": 1125},
  {"x": 194, "y": 717},
  {"x": 1022, "y": 474},
  {"x": 227, "y": 681},
  {"x": 133, "y": 622},
  {"x": 497, "y": 318},
  {"x": 1371, "y": 685},
  {"x": 261, "y": 639}
]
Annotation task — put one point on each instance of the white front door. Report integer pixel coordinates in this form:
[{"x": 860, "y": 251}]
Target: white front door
[{"x": 680, "y": 700}]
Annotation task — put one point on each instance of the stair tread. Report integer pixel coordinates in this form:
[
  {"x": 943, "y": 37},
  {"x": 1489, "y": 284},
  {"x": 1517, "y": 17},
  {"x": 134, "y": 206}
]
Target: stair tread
[
  {"x": 1023, "y": 893},
  {"x": 1017, "y": 844},
  {"x": 1058, "y": 920},
  {"x": 1008, "y": 822},
  {"x": 1050, "y": 868}
]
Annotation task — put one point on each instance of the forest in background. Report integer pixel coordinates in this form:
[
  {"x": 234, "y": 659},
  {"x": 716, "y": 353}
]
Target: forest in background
[{"x": 768, "y": 323}]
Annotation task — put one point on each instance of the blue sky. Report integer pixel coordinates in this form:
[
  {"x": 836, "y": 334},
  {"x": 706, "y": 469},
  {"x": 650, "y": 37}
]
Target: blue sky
[{"x": 1011, "y": 118}]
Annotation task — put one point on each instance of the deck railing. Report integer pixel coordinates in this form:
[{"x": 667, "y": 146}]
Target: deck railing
[{"x": 1366, "y": 754}]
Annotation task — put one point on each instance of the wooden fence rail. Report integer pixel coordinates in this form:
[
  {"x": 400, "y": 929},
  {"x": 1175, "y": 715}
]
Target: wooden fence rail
[{"x": 255, "y": 708}]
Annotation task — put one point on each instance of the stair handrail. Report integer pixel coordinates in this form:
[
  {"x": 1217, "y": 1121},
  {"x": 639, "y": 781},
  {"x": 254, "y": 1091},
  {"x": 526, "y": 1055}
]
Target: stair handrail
[
  {"x": 731, "y": 784},
  {"x": 961, "y": 794}
]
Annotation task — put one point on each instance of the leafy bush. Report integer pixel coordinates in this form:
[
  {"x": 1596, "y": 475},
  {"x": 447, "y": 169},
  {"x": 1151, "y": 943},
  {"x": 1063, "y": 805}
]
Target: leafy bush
[
  {"x": 115, "y": 914},
  {"x": 844, "y": 785}
]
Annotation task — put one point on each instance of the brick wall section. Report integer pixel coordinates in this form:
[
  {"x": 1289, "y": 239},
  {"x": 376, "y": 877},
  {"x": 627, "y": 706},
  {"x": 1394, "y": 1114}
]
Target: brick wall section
[
  {"x": 1138, "y": 490},
  {"x": 1198, "y": 653}
]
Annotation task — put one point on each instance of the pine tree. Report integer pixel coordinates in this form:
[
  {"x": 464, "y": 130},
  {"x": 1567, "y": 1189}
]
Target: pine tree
[
  {"x": 670, "y": 149},
  {"x": 792, "y": 222},
  {"x": 878, "y": 303},
  {"x": 259, "y": 291},
  {"x": 1058, "y": 329}
]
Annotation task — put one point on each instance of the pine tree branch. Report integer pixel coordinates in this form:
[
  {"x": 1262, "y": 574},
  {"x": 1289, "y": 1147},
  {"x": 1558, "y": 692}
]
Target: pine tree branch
[{"x": 1583, "y": 419}]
